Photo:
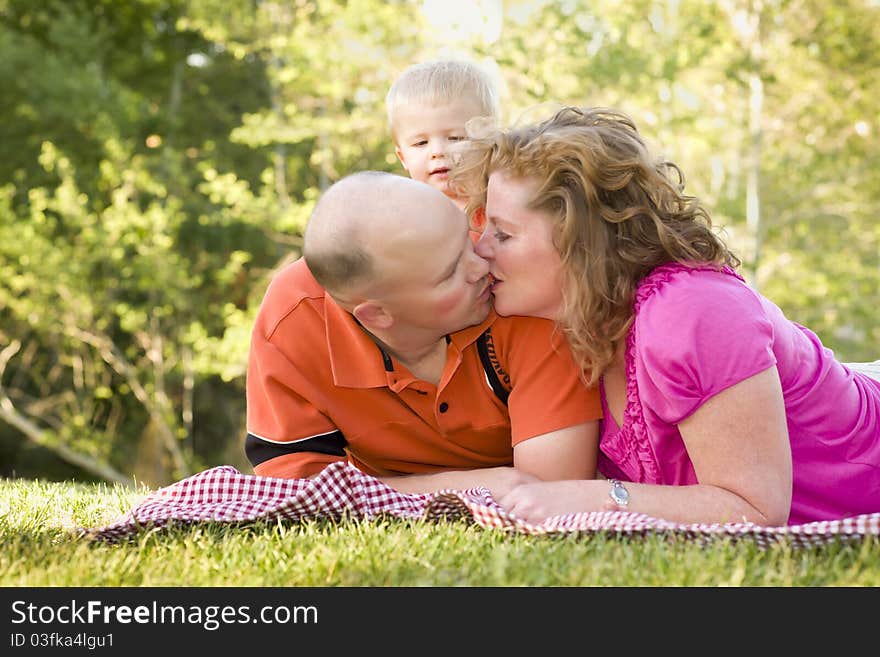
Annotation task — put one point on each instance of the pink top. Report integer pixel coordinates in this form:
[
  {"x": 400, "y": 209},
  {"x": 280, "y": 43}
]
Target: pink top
[{"x": 698, "y": 331}]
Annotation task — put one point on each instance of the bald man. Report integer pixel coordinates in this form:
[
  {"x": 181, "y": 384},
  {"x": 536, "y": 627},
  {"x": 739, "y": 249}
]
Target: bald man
[{"x": 380, "y": 347}]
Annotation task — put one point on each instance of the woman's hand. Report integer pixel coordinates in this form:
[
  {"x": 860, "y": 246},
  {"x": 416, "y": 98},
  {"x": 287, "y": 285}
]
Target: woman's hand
[
  {"x": 536, "y": 502},
  {"x": 738, "y": 444}
]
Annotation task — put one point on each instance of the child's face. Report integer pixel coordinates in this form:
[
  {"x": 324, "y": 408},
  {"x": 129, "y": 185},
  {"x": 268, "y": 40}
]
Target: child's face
[{"x": 424, "y": 132}]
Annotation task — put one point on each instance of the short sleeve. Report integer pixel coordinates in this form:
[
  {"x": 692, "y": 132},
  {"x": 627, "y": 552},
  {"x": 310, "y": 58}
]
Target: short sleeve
[
  {"x": 696, "y": 335},
  {"x": 547, "y": 392},
  {"x": 287, "y": 435}
]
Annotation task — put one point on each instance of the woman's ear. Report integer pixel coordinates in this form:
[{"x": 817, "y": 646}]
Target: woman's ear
[{"x": 372, "y": 315}]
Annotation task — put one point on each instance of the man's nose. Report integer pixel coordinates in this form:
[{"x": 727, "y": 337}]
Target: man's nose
[{"x": 478, "y": 267}]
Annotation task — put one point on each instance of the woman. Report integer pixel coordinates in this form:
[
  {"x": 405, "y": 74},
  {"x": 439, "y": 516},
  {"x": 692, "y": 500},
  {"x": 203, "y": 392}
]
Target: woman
[{"x": 717, "y": 407}]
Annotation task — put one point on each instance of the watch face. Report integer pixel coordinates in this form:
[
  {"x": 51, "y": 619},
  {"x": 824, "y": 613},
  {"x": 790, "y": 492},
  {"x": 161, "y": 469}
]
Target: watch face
[{"x": 619, "y": 494}]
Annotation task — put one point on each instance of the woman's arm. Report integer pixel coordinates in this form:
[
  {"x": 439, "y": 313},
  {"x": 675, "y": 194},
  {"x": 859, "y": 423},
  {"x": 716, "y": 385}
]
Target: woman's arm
[{"x": 738, "y": 444}]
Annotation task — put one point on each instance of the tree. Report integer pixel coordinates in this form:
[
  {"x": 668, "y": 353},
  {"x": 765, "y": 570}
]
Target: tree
[{"x": 159, "y": 160}]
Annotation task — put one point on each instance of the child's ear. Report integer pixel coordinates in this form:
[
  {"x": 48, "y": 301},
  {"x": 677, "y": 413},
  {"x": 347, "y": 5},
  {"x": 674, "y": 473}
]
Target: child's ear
[
  {"x": 372, "y": 315},
  {"x": 400, "y": 157}
]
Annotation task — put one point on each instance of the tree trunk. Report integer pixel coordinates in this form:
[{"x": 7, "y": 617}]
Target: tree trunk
[{"x": 46, "y": 439}]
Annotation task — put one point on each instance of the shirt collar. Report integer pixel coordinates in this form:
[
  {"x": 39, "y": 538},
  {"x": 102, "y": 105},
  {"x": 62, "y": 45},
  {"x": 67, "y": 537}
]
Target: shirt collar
[
  {"x": 358, "y": 362},
  {"x": 461, "y": 339}
]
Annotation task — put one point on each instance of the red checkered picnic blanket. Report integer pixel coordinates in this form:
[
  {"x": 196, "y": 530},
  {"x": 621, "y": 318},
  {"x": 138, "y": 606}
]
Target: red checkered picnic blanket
[{"x": 225, "y": 495}]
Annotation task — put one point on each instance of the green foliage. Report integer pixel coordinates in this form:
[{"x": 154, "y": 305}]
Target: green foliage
[
  {"x": 683, "y": 69},
  {"x": 159, "y": 159}
]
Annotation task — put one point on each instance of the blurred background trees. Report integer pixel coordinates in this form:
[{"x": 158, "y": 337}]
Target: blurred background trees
[{"x": 159, "y": 159}]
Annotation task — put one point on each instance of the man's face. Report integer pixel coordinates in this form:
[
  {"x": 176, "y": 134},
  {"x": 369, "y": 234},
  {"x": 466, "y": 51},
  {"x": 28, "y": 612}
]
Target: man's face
[
  {"x": 434, "y": 279},
  {"x": 423, "y": 133}
]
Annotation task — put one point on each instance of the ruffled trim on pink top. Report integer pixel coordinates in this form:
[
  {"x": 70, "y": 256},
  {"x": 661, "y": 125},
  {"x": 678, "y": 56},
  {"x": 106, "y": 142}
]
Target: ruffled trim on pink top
[{"x": 627, "y": 452}]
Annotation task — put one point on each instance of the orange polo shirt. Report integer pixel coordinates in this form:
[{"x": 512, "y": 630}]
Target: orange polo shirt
[{"x": 320, "y": 390}]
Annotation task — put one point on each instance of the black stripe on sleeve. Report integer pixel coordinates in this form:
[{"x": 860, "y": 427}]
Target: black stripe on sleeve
[{"x": 259, "y": 450}]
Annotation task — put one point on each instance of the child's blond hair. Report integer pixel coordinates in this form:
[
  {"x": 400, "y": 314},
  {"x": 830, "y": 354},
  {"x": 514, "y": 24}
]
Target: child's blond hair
[{"x": 439, "y": 81}]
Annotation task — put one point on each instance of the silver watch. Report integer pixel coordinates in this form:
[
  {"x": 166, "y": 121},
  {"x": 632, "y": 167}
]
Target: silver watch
[{"x": 619, "y": 494}]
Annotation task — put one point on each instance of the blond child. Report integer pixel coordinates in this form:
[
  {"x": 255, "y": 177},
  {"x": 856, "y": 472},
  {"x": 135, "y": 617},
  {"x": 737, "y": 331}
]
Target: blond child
[{"x": 428, "y": 106}]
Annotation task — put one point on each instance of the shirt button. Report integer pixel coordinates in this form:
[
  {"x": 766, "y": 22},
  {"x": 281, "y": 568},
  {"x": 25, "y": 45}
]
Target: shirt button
[{"x": 444, "y": 407}]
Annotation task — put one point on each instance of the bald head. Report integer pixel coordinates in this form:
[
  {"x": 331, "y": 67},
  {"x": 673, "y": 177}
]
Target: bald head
[{"x": 361, "y": 221}]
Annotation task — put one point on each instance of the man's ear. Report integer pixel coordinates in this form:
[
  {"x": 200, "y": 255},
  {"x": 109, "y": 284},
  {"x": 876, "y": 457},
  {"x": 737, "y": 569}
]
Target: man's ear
[
  {"x": 400, "y": 157},
  {"x": 372, "y": 315}
]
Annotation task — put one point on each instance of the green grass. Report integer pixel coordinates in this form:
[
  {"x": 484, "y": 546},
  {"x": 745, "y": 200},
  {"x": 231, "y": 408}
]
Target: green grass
[{"x": 39, "y": 547}]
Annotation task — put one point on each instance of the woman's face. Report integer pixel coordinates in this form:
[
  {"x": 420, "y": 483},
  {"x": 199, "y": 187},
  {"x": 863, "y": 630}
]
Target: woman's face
[{"x": 518, "y": 243}]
